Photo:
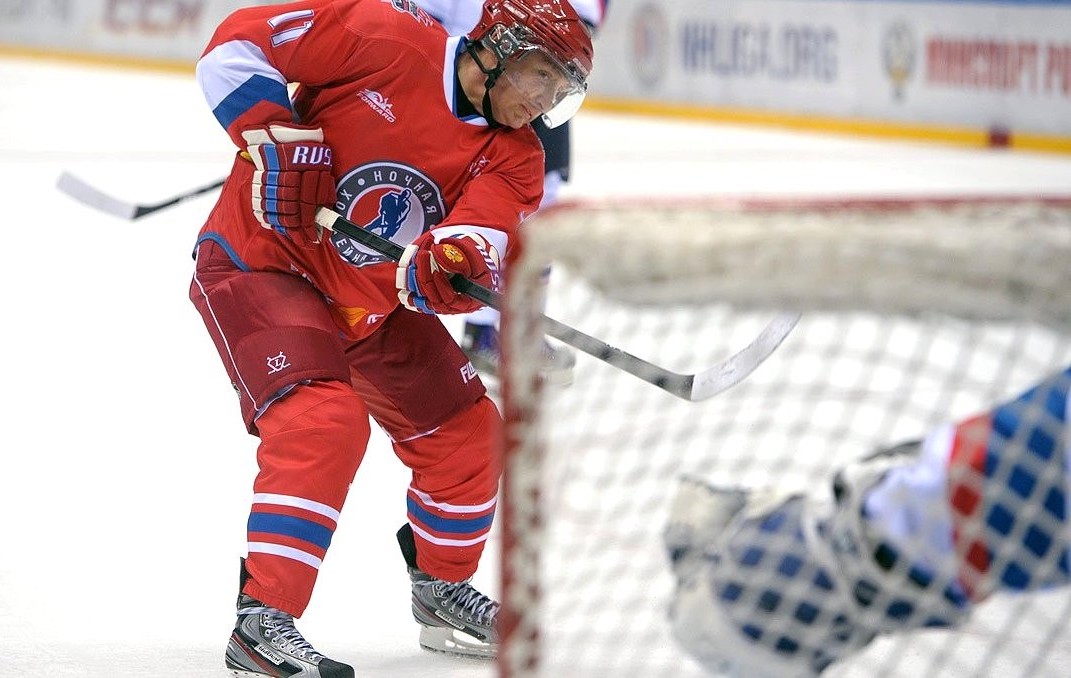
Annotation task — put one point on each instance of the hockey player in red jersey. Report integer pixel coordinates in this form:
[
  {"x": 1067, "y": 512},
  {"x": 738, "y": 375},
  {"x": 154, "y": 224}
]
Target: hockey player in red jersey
[
  {"x": 425, "y": 139},
  {"x": 479, "y": 336}
]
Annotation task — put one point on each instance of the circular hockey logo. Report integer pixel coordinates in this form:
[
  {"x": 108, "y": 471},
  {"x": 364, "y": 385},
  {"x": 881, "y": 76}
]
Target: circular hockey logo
[{"x": 389, "y": 199}]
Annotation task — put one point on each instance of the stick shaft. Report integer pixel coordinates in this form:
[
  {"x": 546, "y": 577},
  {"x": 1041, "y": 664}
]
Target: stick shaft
[{"x": 687, "y": 386}]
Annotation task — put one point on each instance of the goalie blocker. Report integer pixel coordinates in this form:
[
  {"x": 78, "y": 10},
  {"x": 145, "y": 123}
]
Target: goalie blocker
[{"x": 914, "y": 536}]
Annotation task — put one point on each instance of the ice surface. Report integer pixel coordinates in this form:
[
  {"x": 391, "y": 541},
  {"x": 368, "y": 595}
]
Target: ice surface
[{"x": 126, "y": 473}]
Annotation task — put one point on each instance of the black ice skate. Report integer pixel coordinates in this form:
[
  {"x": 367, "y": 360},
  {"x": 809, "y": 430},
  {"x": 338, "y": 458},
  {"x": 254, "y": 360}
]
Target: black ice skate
[
  {"x": 454, "y": 618},
  {"x": 266, "y": 643}
]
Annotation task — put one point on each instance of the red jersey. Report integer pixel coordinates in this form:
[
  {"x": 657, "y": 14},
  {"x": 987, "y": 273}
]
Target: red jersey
[{"x": 379, "y": 77}]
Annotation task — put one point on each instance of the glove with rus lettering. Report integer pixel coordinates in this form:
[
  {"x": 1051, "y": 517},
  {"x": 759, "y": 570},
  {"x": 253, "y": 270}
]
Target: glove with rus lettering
[
  {"x": 293, "y": 178},
  {"x": 426, "y": 266}
]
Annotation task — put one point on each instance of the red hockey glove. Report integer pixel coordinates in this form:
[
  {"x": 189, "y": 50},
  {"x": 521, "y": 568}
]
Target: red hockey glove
[
  {"x": 293, "y": 178},
  {"x": 424, "y": 271}
]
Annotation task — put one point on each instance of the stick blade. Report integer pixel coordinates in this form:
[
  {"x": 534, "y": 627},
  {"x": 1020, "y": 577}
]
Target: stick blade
[
  {"x": 95, "y": 198},
  {"x": 737, "y": 367}
]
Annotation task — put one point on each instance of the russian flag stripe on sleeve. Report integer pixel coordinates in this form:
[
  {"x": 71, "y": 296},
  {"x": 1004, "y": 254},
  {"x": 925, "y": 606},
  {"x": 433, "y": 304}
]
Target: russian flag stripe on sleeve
[
  {"x": 235, "y": 77},
  {"x": 250, "y": 93}
]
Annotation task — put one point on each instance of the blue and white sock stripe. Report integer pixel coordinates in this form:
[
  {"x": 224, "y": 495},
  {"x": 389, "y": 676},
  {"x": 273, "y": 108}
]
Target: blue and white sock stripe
[
  {"x": 449, "y": 524},
  {"x": 285, "y": 552},
  {"x": 291, "y": 527},
  {"x": 440, "y": 540},
  {"x": 236, "y": 76},
  {"x": 427, "y": 500},
  {"x": 297, "y": 502}
]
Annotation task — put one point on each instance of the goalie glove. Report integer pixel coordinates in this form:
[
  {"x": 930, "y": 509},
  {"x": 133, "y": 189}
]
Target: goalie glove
[
  {"x": 428, "y": 263},
  {"x": 293, "y": 178},
  {"x": 783, "y": 586}
]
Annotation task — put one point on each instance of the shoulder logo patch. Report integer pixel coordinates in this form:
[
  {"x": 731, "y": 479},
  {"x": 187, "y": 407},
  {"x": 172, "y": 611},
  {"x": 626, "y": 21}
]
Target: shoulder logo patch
[{"x": 378, "y": 103}]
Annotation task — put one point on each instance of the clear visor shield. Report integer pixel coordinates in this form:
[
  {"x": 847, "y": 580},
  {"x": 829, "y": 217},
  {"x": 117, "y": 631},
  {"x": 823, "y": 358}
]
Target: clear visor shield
[{"x": 547, "y": 86}]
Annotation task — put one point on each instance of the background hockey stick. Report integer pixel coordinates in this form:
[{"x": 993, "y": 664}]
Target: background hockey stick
[
  {"x": 693, "y": 387},
  {"x": 94, "y": 197}
]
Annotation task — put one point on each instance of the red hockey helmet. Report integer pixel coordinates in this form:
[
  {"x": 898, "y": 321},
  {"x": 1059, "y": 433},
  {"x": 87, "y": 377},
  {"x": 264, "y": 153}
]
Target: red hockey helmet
[{"x": 514, "y": 29}]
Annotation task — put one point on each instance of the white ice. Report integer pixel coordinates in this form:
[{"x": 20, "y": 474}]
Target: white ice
[{"x": 125, "y": 473}]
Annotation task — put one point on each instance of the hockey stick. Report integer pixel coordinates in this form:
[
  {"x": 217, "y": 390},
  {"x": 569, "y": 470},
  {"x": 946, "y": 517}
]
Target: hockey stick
[
  {"x": 693, "y": 387},
  {"x": 94, "y": 197}
]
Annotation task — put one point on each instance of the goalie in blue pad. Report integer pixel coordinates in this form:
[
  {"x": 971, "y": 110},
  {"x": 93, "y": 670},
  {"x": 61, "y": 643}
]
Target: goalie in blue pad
[{"x": 910, "y": 537}]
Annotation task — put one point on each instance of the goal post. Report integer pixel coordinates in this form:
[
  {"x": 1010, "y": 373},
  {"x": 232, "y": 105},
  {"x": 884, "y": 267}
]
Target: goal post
[{"x": 914, "y": 312}]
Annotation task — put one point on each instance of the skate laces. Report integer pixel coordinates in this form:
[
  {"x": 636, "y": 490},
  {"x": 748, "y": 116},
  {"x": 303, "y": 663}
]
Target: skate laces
[
  {"x": 462, "y": 595},
  {"x": 279, "y": 629}
]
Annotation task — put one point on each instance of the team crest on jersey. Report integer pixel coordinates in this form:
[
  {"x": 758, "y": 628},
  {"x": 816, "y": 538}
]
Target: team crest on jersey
[{"x": 391, "y": 200}]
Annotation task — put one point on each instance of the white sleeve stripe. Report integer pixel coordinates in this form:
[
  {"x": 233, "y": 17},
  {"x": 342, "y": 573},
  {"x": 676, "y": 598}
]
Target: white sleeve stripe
[
  {"x": 297, "y": 502},
  {"x": 228, "y": 66}
]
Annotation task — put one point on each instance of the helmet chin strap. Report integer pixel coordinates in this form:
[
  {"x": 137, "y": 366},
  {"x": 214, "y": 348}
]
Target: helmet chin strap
[{"x": 492, "y": 77}]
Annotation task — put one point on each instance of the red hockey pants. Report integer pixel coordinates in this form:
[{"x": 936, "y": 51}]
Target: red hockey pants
[{"x": 307, "y": 393}]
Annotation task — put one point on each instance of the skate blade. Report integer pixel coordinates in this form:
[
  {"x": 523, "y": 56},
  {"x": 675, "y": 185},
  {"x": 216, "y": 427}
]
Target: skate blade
[{"x": 455, "y": 643}]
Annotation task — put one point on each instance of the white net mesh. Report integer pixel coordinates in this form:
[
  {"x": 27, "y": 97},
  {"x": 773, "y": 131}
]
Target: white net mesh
[{"x": 913, "y": 314}]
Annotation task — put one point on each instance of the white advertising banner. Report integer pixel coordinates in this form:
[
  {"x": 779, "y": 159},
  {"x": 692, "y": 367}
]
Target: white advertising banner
[
  {"x": 991, "y": 66},
  {"x": 1001, "y": 65},
  {"x": 153, "y": 29}
]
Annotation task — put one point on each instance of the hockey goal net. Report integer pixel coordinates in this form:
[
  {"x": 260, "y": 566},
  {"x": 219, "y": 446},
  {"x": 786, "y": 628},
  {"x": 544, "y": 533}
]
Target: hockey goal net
[{"x": 914, "y": 312}]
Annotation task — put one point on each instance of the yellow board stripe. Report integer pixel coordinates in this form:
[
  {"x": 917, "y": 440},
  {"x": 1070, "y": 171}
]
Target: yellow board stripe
[{"x": 139, "y": 63}]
